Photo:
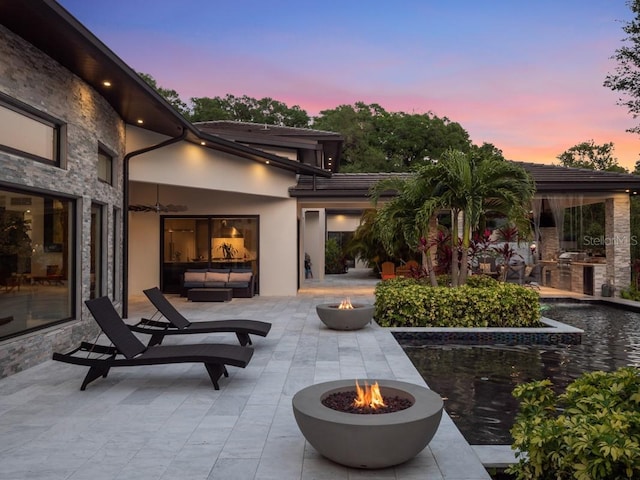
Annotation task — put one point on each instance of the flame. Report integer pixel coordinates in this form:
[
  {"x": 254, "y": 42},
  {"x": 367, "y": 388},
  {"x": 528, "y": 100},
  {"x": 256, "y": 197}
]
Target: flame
[
  {"x": 368, "y": 396},
  {"x": 345, "y": 304}
]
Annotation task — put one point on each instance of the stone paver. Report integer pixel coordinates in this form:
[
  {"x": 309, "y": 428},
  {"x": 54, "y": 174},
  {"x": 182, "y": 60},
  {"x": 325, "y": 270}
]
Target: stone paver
[{"x": 167, "y": 422}]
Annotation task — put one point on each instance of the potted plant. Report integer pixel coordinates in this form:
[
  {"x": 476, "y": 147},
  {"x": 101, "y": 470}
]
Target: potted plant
[{"x": 228, "y": 250}]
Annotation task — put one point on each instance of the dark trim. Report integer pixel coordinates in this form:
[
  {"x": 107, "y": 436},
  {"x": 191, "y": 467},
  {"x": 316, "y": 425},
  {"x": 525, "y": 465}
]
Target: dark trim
[{"x": 125, "y": 214}]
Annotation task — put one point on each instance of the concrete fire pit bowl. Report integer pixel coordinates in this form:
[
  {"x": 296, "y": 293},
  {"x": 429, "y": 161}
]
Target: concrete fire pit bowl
[
  {"x": 346, "y": 319},
  {"x": 368, "y": 440}
]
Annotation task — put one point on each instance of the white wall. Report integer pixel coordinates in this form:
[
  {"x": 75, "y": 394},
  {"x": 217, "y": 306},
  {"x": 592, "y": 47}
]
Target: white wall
[
  {"x": 186, "y": 164},
  {"x": 342, "y": 223},
  {"x": 211, "y": 183},
  {"x": 314, "y": 240}
]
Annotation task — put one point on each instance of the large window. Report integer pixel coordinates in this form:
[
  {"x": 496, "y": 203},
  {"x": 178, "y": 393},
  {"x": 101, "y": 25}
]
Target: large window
[
  {"x": 26, "y": 131},
  {"x": 206, "y": 242},
  {"x": 36, "y": 270}
]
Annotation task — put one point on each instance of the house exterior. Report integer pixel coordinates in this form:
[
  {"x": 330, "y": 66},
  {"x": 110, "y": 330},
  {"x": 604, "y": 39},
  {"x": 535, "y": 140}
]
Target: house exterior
[
  {"x": 106, "y": 190},
  {"x": 82, "y": 138}
]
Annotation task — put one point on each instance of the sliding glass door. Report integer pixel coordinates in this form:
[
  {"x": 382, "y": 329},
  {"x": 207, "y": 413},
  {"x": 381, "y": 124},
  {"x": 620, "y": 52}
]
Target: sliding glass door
[{"x": 206, "y": 242}]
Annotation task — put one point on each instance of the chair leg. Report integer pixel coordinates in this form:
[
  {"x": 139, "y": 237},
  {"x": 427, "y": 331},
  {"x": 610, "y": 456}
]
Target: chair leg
[
  {"x": 93, "y": 373},
  {"x": 156, "y": 339},
  {"x": 215, "y": 370},
  {"x": 243, "y": 338}
]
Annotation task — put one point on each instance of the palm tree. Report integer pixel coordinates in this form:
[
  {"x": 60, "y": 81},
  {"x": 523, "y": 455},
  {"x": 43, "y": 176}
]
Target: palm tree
[
  {"x": 472, "y": 188},
  {"x": 469, "y": 188},
  {"x": 408, "y": 216}
]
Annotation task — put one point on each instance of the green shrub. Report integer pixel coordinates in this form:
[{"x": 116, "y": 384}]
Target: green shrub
[
  {"x": 333, "y": 257},
  {"x": 630, "y": 293},
  {"x": 408, "y": 303},
  {"x": 590, "y": 432},
  {"x": 481, "y": 281}
]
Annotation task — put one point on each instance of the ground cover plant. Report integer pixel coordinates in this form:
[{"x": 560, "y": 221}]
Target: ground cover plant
[
  {"x": 590, "y": 432},
  {"x": 407, "y": 302}
]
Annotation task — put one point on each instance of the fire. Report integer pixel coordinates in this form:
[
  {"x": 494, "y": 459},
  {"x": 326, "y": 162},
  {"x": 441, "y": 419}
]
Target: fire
[
  {"x": 345, "y": 304},
  {"x": 368, "y": 396}
]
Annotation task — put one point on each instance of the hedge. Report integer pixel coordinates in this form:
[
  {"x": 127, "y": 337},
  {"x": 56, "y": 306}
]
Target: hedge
[{"x": 408, "y": 303}]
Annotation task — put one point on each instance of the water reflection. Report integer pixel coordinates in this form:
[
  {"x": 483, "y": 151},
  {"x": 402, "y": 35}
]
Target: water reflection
[{"x": 477, "y": 381}]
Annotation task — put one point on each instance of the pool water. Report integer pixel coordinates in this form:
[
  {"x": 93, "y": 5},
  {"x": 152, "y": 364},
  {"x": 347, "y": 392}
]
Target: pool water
[{"x": 477, "y": 381}]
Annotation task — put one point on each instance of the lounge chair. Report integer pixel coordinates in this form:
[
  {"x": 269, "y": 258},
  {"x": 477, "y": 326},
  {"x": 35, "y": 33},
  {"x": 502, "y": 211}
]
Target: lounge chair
[
  {"x": 177, "y": 324},
  {"x": 128, "y": 351}
]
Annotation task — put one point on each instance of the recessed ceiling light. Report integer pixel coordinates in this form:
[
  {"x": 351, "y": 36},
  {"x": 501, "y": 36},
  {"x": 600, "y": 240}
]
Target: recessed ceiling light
[
  {"x": 203, "y": 143},
  {"x": 267, "y": 162},
  {"x": 140, "y": 121},
  {"x": 106, "y": 83}
]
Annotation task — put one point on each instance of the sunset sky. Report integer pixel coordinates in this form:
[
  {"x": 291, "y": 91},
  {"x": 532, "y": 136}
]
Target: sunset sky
[{"x": 525, "y": 76}]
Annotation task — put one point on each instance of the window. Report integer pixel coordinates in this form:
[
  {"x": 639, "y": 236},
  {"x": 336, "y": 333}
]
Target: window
[
  {"x": 96, "y": 283},
  {"x": 105, "y": 166},
  {"x": 36, "y": 261},
  {"x": 28, "y": 132},
  {"x": 206, "y": 242},
  {"x": 116, "y": 271}
]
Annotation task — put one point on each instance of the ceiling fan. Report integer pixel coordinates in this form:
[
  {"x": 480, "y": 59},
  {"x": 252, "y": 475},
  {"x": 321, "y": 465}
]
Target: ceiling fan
[{"x": 158, "y": 207}]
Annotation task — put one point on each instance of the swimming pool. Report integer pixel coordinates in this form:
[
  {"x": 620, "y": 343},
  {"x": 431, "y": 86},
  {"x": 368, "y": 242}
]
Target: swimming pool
[{"x": 477, "y": 381}]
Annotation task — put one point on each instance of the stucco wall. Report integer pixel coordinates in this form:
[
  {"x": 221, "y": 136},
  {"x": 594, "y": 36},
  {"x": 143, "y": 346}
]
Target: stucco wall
[
  {"x": 29, "y": 76},
  {"x": 186, "y": 164},
  {"x": 211, "y": 183},
  {"x": 277, "y": 220}
]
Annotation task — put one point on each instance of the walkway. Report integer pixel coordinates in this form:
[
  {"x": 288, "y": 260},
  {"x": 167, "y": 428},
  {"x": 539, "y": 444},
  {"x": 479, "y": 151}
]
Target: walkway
[{"x": 167, "y": 422}]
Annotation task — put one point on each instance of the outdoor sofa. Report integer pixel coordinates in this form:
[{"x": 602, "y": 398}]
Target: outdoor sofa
[{"x": 240, "y": 280}]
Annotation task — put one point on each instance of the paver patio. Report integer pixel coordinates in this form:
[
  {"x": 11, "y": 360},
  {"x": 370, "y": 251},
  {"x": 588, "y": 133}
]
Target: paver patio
[{"x": 167, "y": 422}]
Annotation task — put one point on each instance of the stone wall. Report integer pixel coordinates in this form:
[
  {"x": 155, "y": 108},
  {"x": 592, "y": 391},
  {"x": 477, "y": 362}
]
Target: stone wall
[
  {"x": 617, "y": 241},
  {"x": 29, "y": 76}
]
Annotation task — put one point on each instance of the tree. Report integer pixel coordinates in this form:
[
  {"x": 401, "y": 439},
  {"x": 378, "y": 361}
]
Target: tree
[
  {"x": 407, "y": 219},
  {"x": 591, "y": 156},
  {"x": 356, "y": 123},
  {"x": 381, "y": 141},
  {"x": 170, "y": 96},
  {"x": 248, "y": 109},
  {"x": 469, "y": 188},
  {"x": 626, "y": 78}
]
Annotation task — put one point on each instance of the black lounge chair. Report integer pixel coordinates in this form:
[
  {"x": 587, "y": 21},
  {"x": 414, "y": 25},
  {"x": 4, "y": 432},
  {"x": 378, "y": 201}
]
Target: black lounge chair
[
  {"x": 128, "y": 351},
  {"x": 177, "y": 324}
]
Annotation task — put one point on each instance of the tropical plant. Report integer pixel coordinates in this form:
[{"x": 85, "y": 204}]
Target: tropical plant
[
  {"x": 334, "y": 259},
  {"x": 408, "y": 217},
  {"x": 365, "y": 243},
  {"x": 228, "y": 250},
  {"x": 590, "y": 432},
  {"x": 470, "y": 188}
]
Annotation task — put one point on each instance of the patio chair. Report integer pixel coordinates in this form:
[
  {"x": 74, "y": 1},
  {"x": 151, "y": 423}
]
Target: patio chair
[
  {"x": 177, "y": 324},
  {"x": 388, "y": 270},
  {"x": 406, "y": 269},
  {"x": 128, "y": 351}
]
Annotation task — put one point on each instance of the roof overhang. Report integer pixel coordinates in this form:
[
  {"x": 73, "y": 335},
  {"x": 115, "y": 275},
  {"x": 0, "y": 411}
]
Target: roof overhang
[{"x": 49, "y": 27}]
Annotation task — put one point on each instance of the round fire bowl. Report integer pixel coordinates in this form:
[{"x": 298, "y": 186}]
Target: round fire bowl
[
  {"x": 368, "y": 440},
  {"x": 346, "y": 319}
]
